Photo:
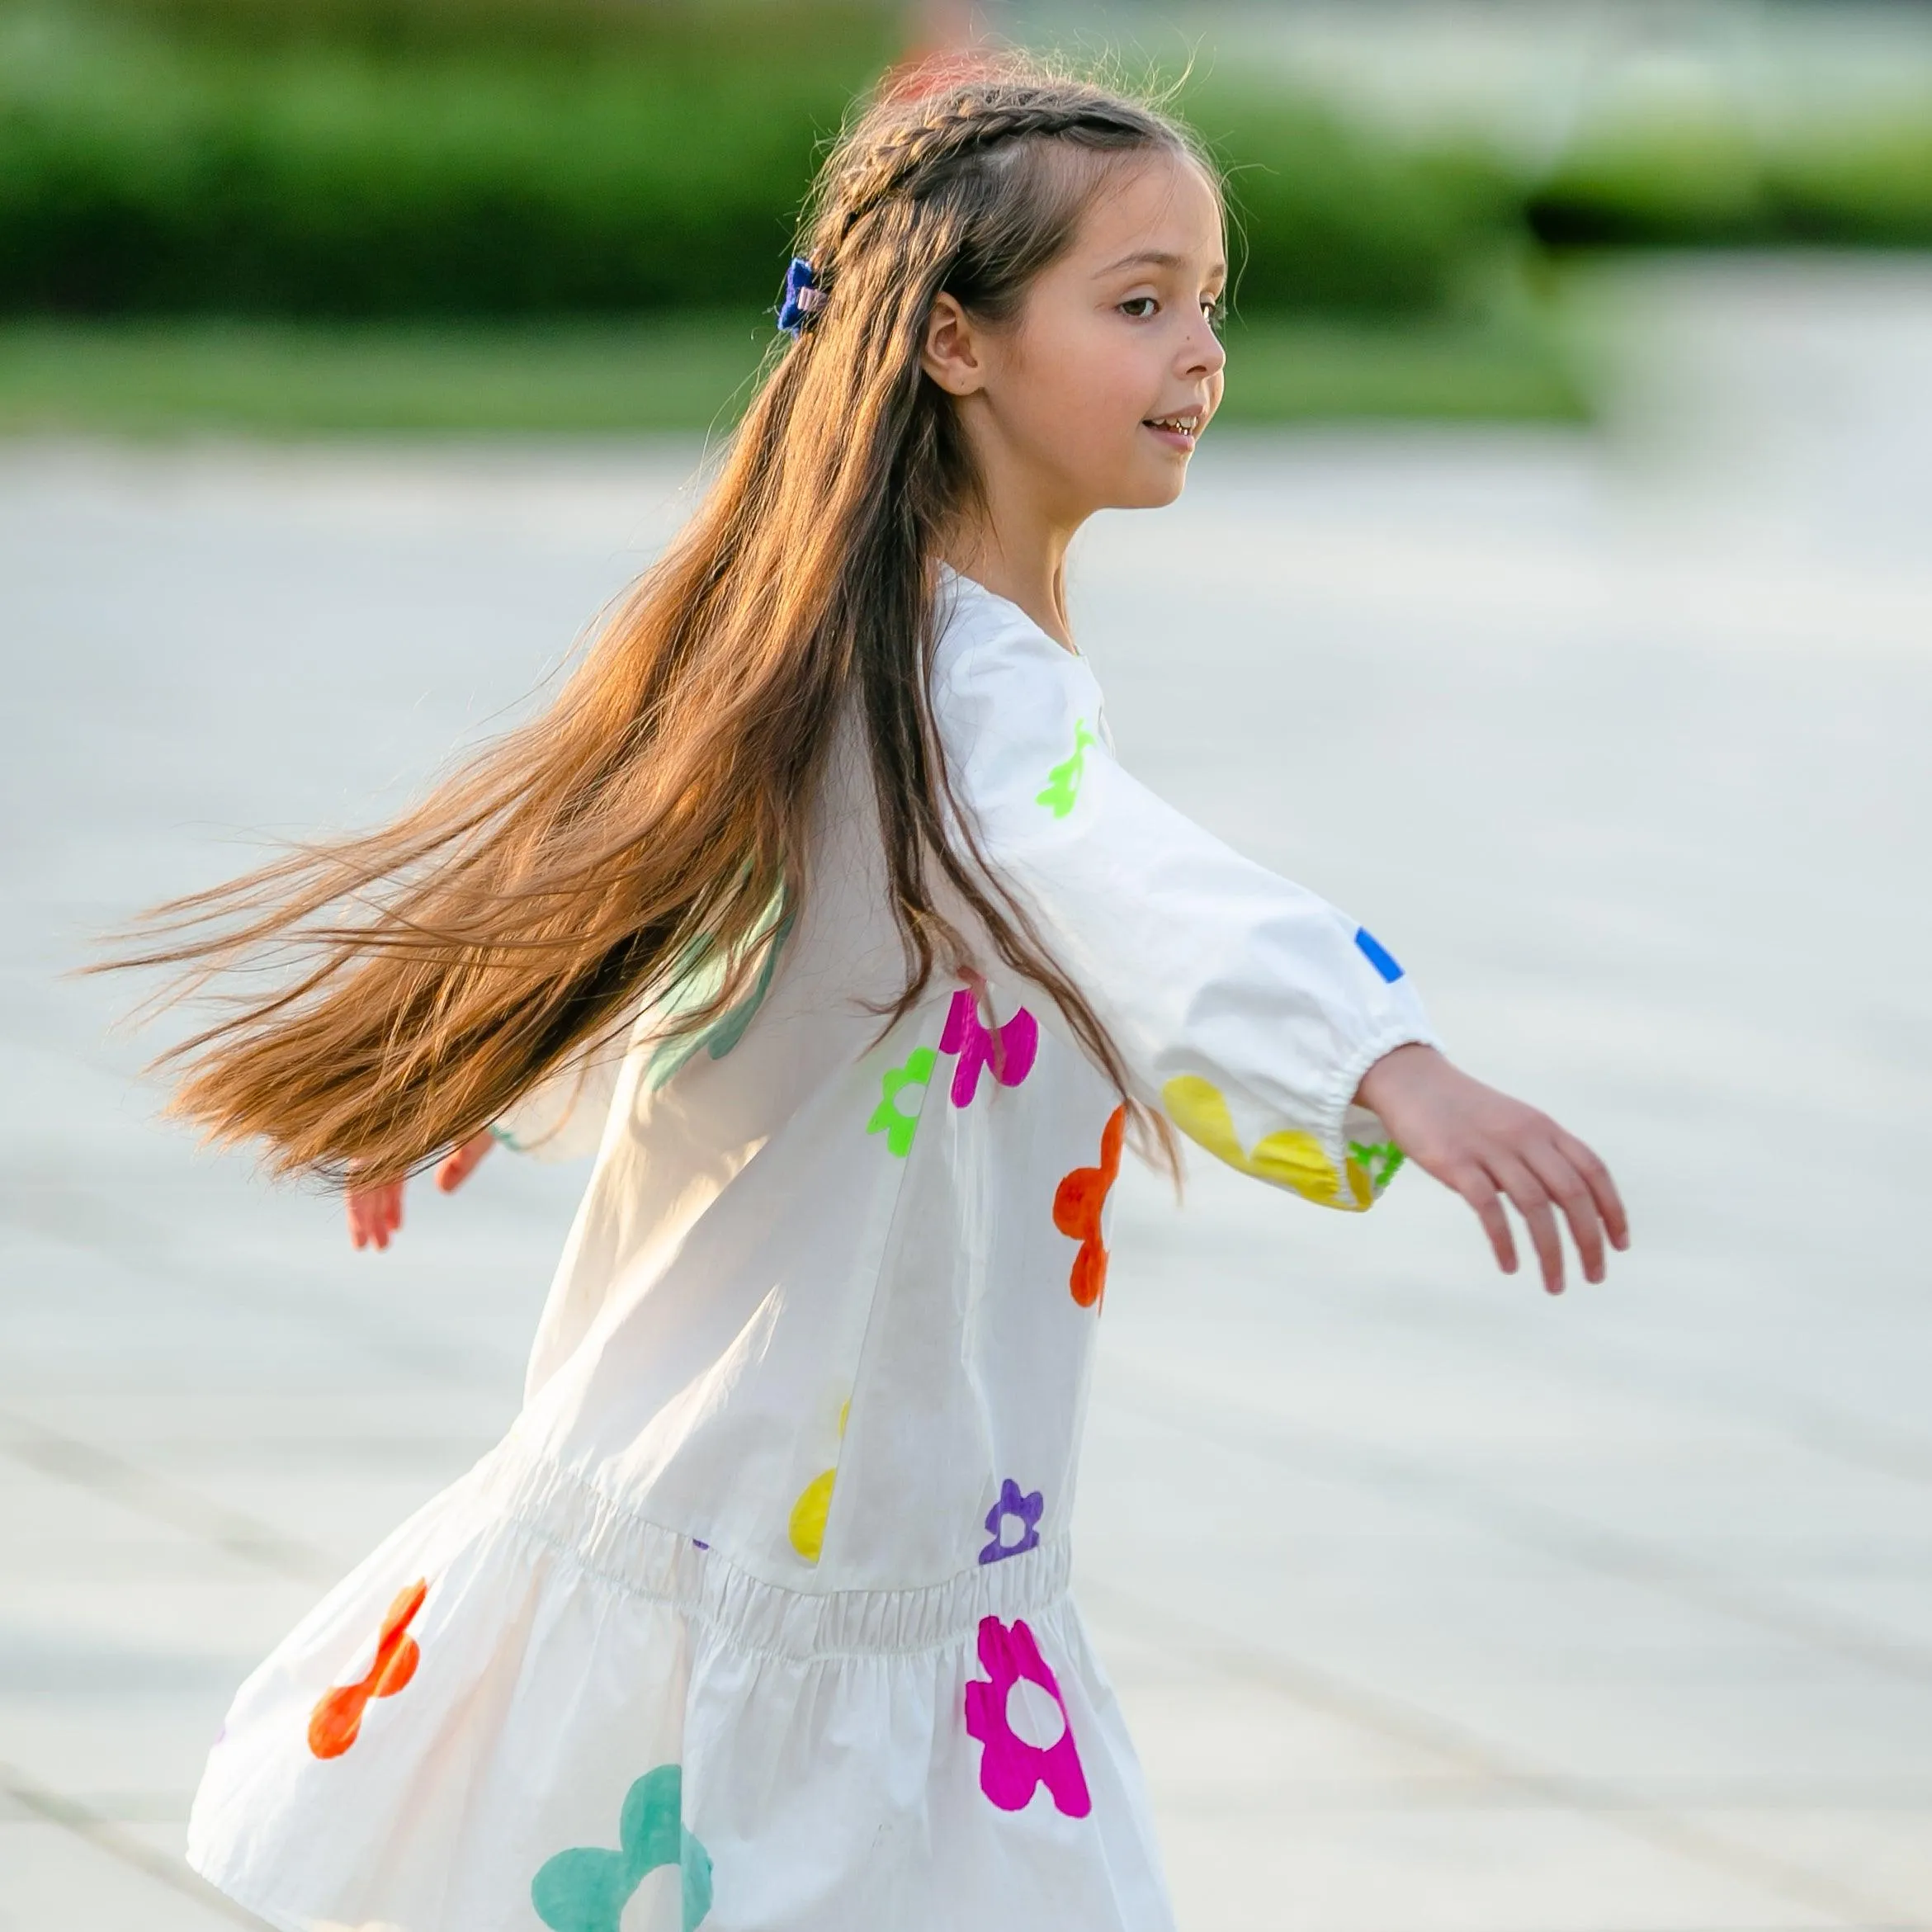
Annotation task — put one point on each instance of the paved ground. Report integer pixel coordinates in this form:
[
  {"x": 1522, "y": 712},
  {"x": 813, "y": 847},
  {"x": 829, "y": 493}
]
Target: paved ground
[{"x": 1437, "y": 1605}]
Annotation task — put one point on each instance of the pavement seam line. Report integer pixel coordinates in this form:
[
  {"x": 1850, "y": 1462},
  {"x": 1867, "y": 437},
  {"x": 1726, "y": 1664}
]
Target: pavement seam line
[
  {"x": 122, "y": 1235},
  {"x": 69, "y": 1815},
  {"x": 1817, "y": 1426},
  {"x": 1537, "y": 1526},
  {"x": 66, "y": 1458},
  {"x": 1316, "y": 1687}
]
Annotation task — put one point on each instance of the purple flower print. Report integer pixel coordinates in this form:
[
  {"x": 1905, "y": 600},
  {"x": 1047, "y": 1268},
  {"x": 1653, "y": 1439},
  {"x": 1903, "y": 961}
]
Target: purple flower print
[
  {"x": 1009, "y": 1051},
  {"x": 1010, "y": 1768},
  {"x": 1012, "y": 1503}
]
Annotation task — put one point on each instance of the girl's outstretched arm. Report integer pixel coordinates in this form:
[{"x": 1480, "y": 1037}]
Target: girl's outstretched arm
[
  {"x": 560, "y": 1119},
  {"x": 1271, "y": 1028},
  {"x": 1485, "y": 1145},
  {"x": 375, "y": 1213}
]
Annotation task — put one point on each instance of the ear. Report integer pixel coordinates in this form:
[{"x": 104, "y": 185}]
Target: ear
[{"x": 951, "y": 354}]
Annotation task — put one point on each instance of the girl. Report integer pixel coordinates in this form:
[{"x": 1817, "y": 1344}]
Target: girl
[{"x": 817, "y": 907}]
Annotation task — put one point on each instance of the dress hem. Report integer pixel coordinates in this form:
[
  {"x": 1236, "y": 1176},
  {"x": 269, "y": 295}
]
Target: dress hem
[{"x": 213, "y": 1874}]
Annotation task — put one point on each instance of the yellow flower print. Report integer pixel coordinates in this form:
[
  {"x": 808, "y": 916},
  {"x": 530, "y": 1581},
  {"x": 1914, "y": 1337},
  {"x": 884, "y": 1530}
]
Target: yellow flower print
[
  {"x": 1288, "y": 1158},
  {"x": 807, "y": 1526}
]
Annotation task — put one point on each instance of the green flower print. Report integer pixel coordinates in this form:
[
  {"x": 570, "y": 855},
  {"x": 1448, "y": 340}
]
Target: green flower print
[
  {"x": 1063, "y": 781},
  {"x": 1381, "y": 1160},
  {"x": 587, "y": 1889},
  {"x": 899, "y": 1128}
]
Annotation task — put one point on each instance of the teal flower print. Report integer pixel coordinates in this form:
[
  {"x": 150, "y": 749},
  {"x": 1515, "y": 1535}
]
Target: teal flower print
[
  {"x": 586, "y": 1889},
  {"x": 668, "y": 1059}
]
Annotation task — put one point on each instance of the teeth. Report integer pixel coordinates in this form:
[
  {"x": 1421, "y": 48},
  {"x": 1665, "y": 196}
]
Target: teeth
[{"x": 1186, "y": 424}]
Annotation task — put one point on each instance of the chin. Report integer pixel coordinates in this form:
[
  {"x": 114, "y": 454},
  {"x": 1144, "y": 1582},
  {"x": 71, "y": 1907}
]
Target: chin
[{"x": 1154, "y": 493}]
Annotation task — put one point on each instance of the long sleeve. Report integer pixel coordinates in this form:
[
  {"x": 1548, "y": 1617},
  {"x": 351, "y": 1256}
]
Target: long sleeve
[{"x": 1246, "y": 1007}]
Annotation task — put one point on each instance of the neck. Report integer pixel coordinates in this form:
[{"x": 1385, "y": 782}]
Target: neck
[{"x": 1021, "y": 557}]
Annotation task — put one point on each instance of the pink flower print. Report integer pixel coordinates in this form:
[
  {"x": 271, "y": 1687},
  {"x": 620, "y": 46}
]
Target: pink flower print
[
  {"x": 1026, "y": 1508},
  {"x": 1010, "y": 1768},
  {"x": 1009, "y": 1051}
]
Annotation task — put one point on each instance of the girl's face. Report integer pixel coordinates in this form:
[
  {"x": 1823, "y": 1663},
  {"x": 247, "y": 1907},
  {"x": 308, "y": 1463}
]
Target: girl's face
[{"x": 1094, "y": 396}]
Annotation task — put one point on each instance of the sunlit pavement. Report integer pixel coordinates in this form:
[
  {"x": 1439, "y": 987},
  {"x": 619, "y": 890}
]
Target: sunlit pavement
[{"x": 1435, "y": 1604}]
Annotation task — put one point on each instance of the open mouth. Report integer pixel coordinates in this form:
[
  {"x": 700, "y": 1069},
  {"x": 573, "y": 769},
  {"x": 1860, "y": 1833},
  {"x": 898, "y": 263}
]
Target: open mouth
[{"x": 1183, "y": 427}]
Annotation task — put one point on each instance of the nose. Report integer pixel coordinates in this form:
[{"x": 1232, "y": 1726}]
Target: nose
[{"x": 1203, "y": 354}]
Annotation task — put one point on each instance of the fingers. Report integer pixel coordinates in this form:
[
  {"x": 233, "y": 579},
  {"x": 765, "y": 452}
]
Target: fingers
[
  {"x": 1491, "y": 1148},
  {"x": 375, "y": 1214},
  {"x": 1539, "y": 1181},
  {"x": 1559, "y": 1174},
  {"x": 1479, "y": 1192},
  {"x": 1596, "y": 1177},
  {"x": 458, "y": 1167},
  {"x": 1530, "y": 1199}
]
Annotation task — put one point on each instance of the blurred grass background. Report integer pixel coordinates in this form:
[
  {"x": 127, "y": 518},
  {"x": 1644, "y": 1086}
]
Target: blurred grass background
[{"x": 288, "y": 216}]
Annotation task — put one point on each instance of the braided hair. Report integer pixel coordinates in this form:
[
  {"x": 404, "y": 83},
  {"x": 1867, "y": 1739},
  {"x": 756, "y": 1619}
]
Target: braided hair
[
  {"x": 942, "y": 151},
  {"x": 914, "y": 147}
]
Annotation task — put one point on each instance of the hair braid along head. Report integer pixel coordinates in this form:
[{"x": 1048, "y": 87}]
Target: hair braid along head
[
  {"x": 904, "y": 152},
  {"x": 965, "y": 122}
]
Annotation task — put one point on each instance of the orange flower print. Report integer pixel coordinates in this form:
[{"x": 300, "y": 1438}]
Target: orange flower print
[
  {"x": 1077, "y": 1203},
  {"x": 337, "y": 1717}
]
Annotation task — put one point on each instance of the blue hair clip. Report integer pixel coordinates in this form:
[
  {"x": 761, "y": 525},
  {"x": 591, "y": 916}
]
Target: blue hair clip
[{"x": 802, "y": 298}]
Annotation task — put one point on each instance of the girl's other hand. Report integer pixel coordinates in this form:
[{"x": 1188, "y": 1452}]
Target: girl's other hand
[
  {"x": 1486, "y": 1145},
  {"x": 375, "y": 1213}
]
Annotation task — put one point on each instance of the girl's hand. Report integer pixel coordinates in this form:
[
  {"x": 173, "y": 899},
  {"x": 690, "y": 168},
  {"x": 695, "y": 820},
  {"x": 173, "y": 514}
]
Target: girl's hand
[
  {"x": 1484, "y": 1146},
  {"x": 375, "y": 1213}
]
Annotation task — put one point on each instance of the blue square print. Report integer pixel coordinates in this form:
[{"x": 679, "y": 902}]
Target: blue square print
[{"x": 1377, "y": 955}]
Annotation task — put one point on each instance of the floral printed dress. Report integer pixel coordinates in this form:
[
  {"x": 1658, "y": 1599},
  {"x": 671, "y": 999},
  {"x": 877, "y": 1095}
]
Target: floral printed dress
[{"x": 757, "y": 1620}]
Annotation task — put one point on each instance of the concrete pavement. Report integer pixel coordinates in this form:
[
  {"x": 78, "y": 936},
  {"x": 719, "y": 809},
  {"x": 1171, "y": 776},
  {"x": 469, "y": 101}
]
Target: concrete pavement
[{"x": 1436, "y": 1605}]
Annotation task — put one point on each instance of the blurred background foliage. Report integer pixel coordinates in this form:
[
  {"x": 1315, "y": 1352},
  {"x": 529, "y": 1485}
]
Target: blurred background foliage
[
  {"x": 570, "y": 213},
  {"x": 388, "y": 157},
  {"x": 330, "y": 159},
  {"x": 1708, "y": 177}
]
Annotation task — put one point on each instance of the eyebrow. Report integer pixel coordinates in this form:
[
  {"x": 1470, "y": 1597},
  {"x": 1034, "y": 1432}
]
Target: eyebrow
[{"x": 1155, "y": 258}]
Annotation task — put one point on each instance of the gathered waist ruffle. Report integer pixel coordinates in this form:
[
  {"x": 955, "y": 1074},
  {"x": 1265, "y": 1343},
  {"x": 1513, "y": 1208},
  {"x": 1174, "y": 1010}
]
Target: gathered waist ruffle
[{"x": 610, "y": 1541}]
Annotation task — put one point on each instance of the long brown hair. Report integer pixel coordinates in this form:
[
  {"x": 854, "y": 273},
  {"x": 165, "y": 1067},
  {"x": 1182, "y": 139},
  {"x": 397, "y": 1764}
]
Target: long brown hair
[{"x": 431, "y": 972}]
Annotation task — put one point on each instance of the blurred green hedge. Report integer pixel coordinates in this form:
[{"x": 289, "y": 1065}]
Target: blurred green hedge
[
  {"x": 141, "y": 172},
  {"x": 350, "y": 159},
  {"x": 1710, "y": 178},
  {"x": 1328, "y": 218}
]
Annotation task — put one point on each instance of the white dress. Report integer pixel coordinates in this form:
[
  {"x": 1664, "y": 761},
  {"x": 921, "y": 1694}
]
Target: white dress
[{"x": 723, "y": 1633}]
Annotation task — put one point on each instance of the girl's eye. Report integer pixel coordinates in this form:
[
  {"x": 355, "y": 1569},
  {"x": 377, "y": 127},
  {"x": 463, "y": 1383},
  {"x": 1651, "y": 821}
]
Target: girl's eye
[
  {"x": 1140, "y": 308},
  {"x": 1217, "y": 311}
]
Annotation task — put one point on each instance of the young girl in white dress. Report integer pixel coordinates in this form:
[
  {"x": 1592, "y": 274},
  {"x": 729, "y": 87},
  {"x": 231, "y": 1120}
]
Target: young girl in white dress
[{"x": 820, "y": 910}]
